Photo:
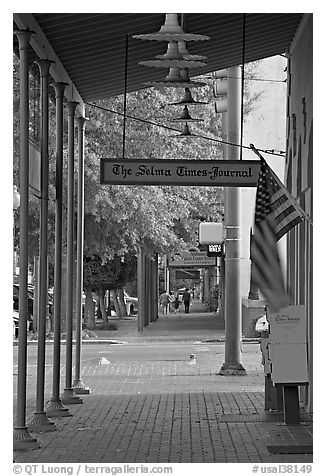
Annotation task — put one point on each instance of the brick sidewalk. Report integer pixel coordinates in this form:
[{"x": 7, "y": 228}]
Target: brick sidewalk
[{"x": 168, "y": 411}]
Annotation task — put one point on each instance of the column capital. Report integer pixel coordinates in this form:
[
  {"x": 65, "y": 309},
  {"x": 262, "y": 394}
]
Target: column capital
[
  {"x": 59, "y": 87},
  {"x": 44, "y": 65},
  {"x": 71, "y": 107},
  {"x": 81, "y": 121},
  {"x": 24, "y": 37}
]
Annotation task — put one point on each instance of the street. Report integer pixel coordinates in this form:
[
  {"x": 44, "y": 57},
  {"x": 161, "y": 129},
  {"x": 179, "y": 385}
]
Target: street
[{"x": 152, "y": 351}]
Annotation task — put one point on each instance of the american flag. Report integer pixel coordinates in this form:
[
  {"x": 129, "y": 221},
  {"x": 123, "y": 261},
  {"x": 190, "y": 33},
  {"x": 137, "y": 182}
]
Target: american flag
[
  {"x": 287, "y": 212},
  {"x": 276, "y": 212}
]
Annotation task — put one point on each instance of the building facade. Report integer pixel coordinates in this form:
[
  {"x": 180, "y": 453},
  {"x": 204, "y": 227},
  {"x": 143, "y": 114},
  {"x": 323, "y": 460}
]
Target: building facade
[{"x": 299, "y": 178}]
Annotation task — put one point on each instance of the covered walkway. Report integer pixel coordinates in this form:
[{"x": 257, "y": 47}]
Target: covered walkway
[
  {"x": 164, "y": 414},
  {"x": 149, "y": 404}
]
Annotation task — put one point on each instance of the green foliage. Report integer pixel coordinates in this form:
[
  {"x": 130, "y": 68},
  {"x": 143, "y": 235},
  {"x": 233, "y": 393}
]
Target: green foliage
[
  {"x": 101, "y": 275},
  {"x": 110, "y": 274},
  {"x": 121, "y": 219}
]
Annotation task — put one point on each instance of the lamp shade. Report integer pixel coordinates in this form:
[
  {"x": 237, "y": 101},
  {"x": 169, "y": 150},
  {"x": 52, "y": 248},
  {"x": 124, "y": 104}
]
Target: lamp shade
[
  {"x": 185, "y": 116},
  {"x": 185, "y": 134},
  {"x": 177, "y": 78},
  {"x": 187, "y": 99},
  {"x": 172, "y": 58},
  {"x": 171, "y": 31},
  {"x": 185, "y": 131},
  {"x": 172, "y": 63}
]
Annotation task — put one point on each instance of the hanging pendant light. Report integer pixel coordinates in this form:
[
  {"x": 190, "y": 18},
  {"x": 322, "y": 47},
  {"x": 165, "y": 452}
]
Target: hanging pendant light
[
  {"x": 177, "y": 78},
  {"x": 171, "y": 31},
  {"x": 185, "y": 133},
  {"x": 187, "y": 99},
  {"x": 172, "y": 58},
  {"x": 185, "y": 116}
]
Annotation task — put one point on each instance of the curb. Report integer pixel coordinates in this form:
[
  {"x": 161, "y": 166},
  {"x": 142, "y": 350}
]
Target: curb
[{"x": 246, "y": 340}]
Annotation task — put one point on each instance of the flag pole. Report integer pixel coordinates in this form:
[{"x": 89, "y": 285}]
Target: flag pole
[{"x": 291, "y": 197}]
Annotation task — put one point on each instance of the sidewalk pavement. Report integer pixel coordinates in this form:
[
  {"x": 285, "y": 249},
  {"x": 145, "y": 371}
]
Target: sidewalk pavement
[
  {"x": 160, "y": 410},
  {"x": 201, "y": 326}
]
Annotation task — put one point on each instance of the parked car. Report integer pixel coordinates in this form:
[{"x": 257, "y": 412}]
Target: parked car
[
  {"x": 16, "y": 323},
  {"x": 30, "y": 294},
  {"x": 131, "y": 304}
]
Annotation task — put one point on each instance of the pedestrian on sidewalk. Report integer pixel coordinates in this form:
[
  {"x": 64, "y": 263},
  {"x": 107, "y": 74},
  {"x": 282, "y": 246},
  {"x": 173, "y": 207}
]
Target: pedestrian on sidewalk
[
  {"x": 176, "y": 303},
  {"x": 165, "y": 300},
  {"x": 186, "y": 299}
]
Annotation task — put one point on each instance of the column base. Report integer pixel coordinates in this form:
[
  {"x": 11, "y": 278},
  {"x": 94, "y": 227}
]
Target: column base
[
  {"x": 40, "y": 422},
  {"x": 80, "y": 388},
  {"x": 253, "y": 296},
  {"x": 70, "y": 398},
  {"x": 23, "y": 440},
  {"x": 232, "y": 370},
  {"x": 56, "y": 409}
]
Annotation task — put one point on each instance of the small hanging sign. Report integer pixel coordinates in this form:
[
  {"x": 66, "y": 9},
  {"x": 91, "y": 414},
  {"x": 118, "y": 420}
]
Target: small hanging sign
[
  {"x": 215, "y": 250},
  {"x": 192, "y": 259}
]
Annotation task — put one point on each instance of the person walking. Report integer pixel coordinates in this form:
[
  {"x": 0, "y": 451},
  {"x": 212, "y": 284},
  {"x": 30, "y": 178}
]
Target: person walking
[
  {"x": 176, "y": 303},
  {"x": 165, "y": 300},
  {"x": 186, "y": 299}
]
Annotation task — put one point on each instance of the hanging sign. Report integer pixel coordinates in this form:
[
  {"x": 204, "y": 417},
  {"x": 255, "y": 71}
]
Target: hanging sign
[
  {"x": 223, "y": 173},
  {"x": 197, "y": 259}
]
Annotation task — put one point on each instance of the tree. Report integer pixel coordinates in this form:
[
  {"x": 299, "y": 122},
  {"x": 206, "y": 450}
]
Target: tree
[
  {"x": 121, "y": 219},
  {"x": 99, "y": 276},
  {"x": 128, "y": 272},
  {"x": 102, "y": 276}
]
